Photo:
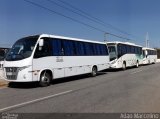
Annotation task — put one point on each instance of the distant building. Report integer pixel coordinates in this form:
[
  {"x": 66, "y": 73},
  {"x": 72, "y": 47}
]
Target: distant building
[{"x": 158, "y": 53}]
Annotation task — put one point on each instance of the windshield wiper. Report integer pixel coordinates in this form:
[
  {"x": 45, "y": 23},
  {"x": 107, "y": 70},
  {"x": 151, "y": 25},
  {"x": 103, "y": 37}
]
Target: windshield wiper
[{"x": 19, "y": 55}]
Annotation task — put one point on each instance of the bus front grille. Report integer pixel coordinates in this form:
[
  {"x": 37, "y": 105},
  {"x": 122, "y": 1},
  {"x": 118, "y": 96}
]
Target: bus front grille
[
  {"x": 11, "y": 73},
  {"x": 11, "y": 77}
]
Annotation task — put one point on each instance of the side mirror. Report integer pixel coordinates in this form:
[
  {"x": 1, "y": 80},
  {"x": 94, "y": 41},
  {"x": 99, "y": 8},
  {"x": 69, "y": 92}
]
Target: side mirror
[{"x": 41, "y": 42}]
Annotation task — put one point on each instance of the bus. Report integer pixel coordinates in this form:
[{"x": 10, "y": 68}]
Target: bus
[
  {"x": 124, "y": 54},
  {"x": 45, "y": 57},
  {"x": 149, "y": 55},
  {"x": 3, "y": 52}
]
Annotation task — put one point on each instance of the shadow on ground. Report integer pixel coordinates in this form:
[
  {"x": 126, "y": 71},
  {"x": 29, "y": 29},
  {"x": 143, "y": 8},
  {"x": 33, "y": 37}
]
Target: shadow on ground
[{"x": 54, "y": 82}]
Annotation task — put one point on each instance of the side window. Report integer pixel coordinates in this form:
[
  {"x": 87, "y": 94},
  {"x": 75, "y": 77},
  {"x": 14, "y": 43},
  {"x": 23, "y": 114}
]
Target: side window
[
  {"x": 148, "y": 52},
  {"x": 87, "y": 49},
  {"x": 69, "y": 48},
  {"x": 155, "y": 52},
  {"x": 136, "y": 50},
  {"x": 119, "y": 48},
  {"x": 90, "y": 45},
  {"x": 98, "y": 49},
  {"x": 57, "y": 47},
  {"x": 128, "y": 50},
  {"x": 45, "y": 50},
  {"x": 79, "y": 47},
  {"x": 141, "y": 51},
  {"x": 95, "y": 49},
  {"x": 104, "y": 50},
  {"x": 124, "y": 49},
  {"x": 92, "y": 48}
]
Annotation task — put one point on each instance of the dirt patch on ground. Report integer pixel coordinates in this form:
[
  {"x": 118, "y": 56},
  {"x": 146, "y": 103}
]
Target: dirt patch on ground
[{"x": 3, "y": 83}]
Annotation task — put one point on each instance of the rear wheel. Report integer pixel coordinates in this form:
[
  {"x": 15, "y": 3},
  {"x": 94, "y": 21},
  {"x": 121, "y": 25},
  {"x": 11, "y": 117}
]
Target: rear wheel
[
  {"x": 94, "y": 71},
  {"x": 45, "y": 79}
]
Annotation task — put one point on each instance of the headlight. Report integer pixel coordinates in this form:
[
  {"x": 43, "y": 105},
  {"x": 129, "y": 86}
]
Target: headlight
[
  {"x": 22, "y": 68},
  {"x": 114, "y": 61}
]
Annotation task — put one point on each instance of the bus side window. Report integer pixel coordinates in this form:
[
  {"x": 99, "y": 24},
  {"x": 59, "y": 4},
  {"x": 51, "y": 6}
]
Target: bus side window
[
  {"x": 69, "y": 48},
  {"x": 104, "y": 50},
  {"x": 79, "y": 48},
  {"x": 87, "y": 49},
  {"x": 124, "y": 49},
  {"x": 57, "y": 47},
  {"x": 119, "y": 50}
]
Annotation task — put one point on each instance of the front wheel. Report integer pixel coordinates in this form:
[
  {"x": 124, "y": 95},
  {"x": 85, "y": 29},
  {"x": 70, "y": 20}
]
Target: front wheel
[
  {"x": 124, "y": 66},
  {"x": 45, "y": 79},
  {"x": 94, "y": 71},
  {"x": 137, "y": 64}
]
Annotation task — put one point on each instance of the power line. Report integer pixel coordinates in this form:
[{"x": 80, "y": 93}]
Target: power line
[
  {"x": 52, "y": 11},
  {"x": 93, "y": 18},
  {"x": 80, "y": 14},
  {"x": 60, "y": 14}
]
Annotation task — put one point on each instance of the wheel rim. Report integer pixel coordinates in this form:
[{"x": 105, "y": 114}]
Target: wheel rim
[
  {"x": 94, "y": 71},
  {"x": 137, "y": 64},
  {"x": 124, "y": 66},
  {"x": 45, "y": 79}
]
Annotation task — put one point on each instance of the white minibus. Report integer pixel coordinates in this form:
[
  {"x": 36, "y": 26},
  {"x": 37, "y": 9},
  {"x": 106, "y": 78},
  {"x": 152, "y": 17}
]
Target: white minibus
[{"x": 45, "y": 57}]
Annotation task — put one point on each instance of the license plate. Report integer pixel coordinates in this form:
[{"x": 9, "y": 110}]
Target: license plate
[{"x": 9, "y": 73}]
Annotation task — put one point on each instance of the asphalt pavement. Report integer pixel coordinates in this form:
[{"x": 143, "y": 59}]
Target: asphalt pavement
[{"x": 112, "y": 91}]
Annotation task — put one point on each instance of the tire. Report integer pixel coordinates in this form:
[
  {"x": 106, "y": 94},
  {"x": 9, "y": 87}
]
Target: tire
[
  {"x": 154, "y": 61},
  {"x": 45, "y": 79},
  {"x": 137, "y": 64},
  {"x": 149, "y": 62},
  {"x": 124, "y": 66},
  {"x": 94, "y": 71}
]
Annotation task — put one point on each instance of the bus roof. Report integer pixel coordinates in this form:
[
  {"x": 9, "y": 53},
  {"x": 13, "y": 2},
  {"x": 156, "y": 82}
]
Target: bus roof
[
  {"x": 145, "y": 48},
  {"x": 69, "y": 38},
  {"x": 126, "y": 43}
]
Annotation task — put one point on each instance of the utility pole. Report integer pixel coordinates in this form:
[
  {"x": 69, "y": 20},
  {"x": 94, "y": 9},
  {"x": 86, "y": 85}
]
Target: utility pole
[
  {"x": 147, "y": 40},
  {"x": 105, "y": 37}
]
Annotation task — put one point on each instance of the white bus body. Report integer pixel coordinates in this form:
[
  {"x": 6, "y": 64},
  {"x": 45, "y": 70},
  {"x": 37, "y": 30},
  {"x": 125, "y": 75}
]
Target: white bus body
[
  {"x": 149, "y": 55},
  {"x": 124, "y": 54},
  {"x": 49, "y": 57},
  {"x": 1, "y": 64}
]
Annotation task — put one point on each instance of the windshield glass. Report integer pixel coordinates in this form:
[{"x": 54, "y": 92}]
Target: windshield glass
[
  {"x": 2, "y": 54},
  {"x": 22, "y": 49},
  {"x": 144, "y": 53},
  {"x": 112, "y": 52}
]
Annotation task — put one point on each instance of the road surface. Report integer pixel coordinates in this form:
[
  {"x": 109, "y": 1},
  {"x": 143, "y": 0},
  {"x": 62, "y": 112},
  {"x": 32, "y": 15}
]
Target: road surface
[{"x": 133, "y": 90}]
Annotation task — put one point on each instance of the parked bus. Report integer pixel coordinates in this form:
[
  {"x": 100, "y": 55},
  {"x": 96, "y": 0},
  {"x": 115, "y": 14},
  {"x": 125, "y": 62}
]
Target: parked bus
[
  {"x": 3, "y": 52},
  {"x": 124, "y": 54},
  {"x": 45, "y": 57},
  {"x": 149, "y": 55}
]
